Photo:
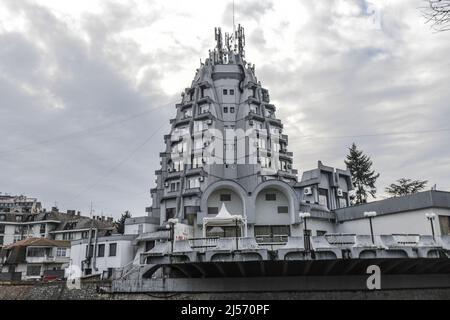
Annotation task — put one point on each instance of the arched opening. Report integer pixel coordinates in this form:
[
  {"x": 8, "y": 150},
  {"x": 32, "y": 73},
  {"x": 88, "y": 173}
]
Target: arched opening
[
  {"x": 275, "y": 207},
  {"x": 224, "y": 200}
]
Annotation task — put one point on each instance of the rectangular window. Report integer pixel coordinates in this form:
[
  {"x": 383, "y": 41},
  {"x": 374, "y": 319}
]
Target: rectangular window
[
  {"x": 33, "y": 271},
  {"x": 272, "y": 234},
  {"x": 1, "y": 240},
  {"x": 42, "y": 229},
  {"x": 225, "y": 92},
  {"x": 232, "y": 110},
  {"x": 271, "y": 197},
  {"x": 444, "y": 221},
  {"x": 18, "y": 218},
  {"x": 343, "y": 202},
  {"x": 232, "y": 92},
  {"x": 61, "y": 252},
  {"x": 283, "y": 210},
  {"x": 225, "y": 110},
  {"x": 101, "y": 251},
  {"x": 213, "y": 211},
  {"x": 225, "y": 197},
  {"x": 170, "y": 213},
  {"x": 323, "y": 197},
  {"x": 36, "y": 252},
  {"x": 204, "y": 109},
  {"x": 175, "y": 186},
  {"x": 2, "y": 228},
  {"x": 193, "y": 183},
  {"x": 113, "y": 249}
]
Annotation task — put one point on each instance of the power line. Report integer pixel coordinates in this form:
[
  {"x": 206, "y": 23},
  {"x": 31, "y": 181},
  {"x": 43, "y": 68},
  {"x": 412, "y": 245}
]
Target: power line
[
  {"x": 80, "y": 132},
  {"x": 118, "y": 165}
]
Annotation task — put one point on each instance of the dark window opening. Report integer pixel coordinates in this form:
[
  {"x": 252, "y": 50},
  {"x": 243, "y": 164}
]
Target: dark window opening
[
  {"x": 272, "y": 234},
  {"x": 170, "y": 213},
  {"x": 33, "y": 271},
  {"x": 231, "y": 92},
  {"x": 225, "y": 92},
  {"x": 113, "y": 249},
  {"x": 271, "y": 197},
  {"x": 101, "y": 251},
  {"x": 444, "y": 221},
  {"x": 149, "y": 245},
  {"x": 225, "y": 197},
  {"x": 232, "y": 110},
  {"x": 90, "y": 251},
  {"x": 283, "y": 210},
  {"x": 213, "y": 211},
  {"x": 225, "y": 110}
]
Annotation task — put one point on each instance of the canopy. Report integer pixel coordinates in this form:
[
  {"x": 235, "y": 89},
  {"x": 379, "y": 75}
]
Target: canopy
[{"x": 224, "y": 219}]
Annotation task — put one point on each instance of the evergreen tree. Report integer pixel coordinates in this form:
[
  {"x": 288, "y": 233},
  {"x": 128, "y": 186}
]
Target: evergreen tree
[
  {"x": 363, "y": 177},
  {"x": 405, "y": 187},
  {"x": 120, "y": 224}
]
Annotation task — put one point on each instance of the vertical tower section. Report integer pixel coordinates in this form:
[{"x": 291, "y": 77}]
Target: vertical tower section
[{"x": 225, "y": 131}]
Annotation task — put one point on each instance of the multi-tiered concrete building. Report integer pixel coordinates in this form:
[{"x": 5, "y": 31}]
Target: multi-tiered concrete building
[{"x": 227, "y": 149}]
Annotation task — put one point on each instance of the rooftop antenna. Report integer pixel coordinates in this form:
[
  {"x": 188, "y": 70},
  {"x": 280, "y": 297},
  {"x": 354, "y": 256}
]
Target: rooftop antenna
[{"x": 234, "y": 23}]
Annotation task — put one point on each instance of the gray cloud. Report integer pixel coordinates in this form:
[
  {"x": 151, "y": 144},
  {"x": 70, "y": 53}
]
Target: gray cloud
[{"x": 68, "y": 94}]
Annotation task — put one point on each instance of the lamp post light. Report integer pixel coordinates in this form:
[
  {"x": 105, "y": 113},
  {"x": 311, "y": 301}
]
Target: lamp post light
[
  {"x": 370, "y": 216},
  {"x": 171, "y": 227},
  {"x": 305, "y": 216},
  {"x": 431, "y": 217}
]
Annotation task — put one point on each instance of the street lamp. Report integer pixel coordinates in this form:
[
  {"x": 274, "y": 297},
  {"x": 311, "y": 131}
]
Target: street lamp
[
  {"x": 370, "y": 216},
  {"x": 431, "y": 217},
  {"x": 305, "y": 216},
  {"x": 171, "y": 227}
]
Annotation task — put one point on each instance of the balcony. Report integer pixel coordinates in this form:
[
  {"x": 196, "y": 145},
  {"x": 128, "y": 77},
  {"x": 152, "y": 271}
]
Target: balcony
[
  {"x": 205, "y": 100},
  {"x": 182, "y": 122},
  {"x": 192, "y": 192},
  {"x": 204, "y": 116},
  {"x": 47, "y": 259},
  {"x": 275, "y": 122},
  {"x": 255, "y": 116},
  {"x": 187, "y": 105},
  {"x": 253, "y": 100}
]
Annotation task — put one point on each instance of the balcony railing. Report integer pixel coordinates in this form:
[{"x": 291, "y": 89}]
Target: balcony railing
[{"x": 203, "y": 243}]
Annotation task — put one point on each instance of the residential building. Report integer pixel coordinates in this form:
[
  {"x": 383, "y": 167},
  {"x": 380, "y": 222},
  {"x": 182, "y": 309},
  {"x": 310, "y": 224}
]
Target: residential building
[{"x": 35, "y": 258}]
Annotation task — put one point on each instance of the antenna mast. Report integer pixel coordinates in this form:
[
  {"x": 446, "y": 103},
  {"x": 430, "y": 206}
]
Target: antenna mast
[{"x": 234, "y": 23}]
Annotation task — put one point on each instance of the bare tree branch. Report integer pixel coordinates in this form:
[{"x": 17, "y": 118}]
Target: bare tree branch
[{"x": 437, "y": 13}]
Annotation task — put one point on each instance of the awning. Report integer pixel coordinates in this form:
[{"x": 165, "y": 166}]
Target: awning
[{"x": 224, "y": 218}]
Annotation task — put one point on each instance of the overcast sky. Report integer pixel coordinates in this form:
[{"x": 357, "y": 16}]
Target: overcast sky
[{"x": 87, "y": 89}]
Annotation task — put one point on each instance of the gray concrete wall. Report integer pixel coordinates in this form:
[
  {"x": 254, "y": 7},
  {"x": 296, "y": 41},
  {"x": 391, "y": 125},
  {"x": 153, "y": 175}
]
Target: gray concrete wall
[{"x": 90, "y": 291}]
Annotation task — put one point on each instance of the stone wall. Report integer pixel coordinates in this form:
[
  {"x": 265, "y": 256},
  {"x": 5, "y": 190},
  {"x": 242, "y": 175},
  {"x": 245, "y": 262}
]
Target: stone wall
[{"x": 93, "y": 291}]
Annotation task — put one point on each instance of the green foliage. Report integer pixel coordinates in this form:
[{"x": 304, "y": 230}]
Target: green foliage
[
  {"x": 363, "y": 177},
  {"x": 120, "y": 224},
  {"x": 405, "y": 187}
]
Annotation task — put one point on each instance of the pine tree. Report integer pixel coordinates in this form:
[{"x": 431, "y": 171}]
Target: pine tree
[
  {"x": 405, "y": 187},
  {"x": 120, "y": 224},
  {"x": 363, "y": 177}
]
